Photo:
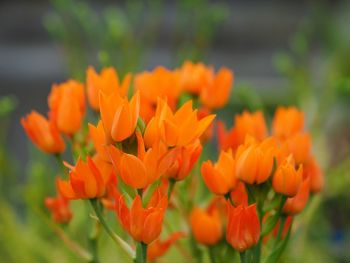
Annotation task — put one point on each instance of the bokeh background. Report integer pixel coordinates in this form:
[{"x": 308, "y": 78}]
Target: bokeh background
[{"x": 282, "y": 52}]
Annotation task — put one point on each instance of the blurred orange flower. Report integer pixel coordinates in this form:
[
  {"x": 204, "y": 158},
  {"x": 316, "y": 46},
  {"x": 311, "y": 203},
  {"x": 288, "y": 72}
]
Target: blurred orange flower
[
  {"x": 254, "y": 160},
  {"x": 220, "y": 178},
  {"x": 86, "y": 181},
  {"x": 206, "y": 225},
  {"x": 287, "y": 178},
  {"x": 67, "y": 106},
  {"x": 239, "y": 195},
  {"x": 313, "y": 171},
  {"x": 300, "y": 146},
  {"x": 158, "y": 248},
  {"x": 296, "y": 204},
  {"x": 143, "y": 224},
  {"x": 179, "y": 129},
  {"x": 43, "y": 133},
  {"x": 59, "y": 208},
  {"x": 119, "y": 116},
  {"x": 287, "y": 122},
  {"x": 107, "y": 82},
  {"x": 243, "y": 229}
]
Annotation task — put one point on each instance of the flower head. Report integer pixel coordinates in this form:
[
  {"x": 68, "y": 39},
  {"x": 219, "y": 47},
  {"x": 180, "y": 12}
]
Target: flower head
[
  {"x": 287, "y": 122},
  {"x": 59, "y": 208},
  {"x": 296, "y": 204}
]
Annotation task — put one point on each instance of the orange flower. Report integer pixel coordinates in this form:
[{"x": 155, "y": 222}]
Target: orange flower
[
  {"x": 287, "y": 122},
  {"x": 67, "y": 106},
  {"x": 313, "y": 171},
  {"x": 107, "y": 82},
  {"x": 195, "y": 77},
  {"x": 300, "y": 146},
  {"x": 143, "y": 224},
  {"x": 208, "y": 134},
  {"x": 43, "y": 133},
  {"x": 186, "y": 157},
  {"x": 179, "y": 129},
  {"x": 98, "y": 137},
  {"x": 119, "y": 116},
  {"x": 145, "y": 168},
  {"x": 158, "y": 248},
  {"x": 220, "y": 178},
  {"x": 206, "y": 225},
  {"x": 243, "y": 229},
  {"x": 159, "y": 83},
  {"x": 216, "y": 94},
  {"x": 287, "y": 179},
  {"x": 254, "y": 161},
  {"x": 296, "y": 204},
  {"x": 239, "y": 195},
  {"x": 86, "y": 181},
  {"x": 59, "y": 208},
  {"x": 247, "y": 123}
]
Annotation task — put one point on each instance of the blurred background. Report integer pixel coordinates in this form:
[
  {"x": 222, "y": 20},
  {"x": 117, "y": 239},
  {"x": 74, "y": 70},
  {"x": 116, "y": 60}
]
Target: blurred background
[{"x": 282, "y": 52}]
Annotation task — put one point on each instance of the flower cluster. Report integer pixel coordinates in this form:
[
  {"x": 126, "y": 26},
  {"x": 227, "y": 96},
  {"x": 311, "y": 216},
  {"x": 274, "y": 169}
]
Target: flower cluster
[{"x": 133, "y": 139}]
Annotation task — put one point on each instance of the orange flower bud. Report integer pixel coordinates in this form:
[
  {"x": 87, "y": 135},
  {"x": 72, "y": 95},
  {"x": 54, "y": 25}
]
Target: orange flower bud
[
  {"x": 158, "y": 248},
  {"x": 254, "y": 161},
  {"x": 220, "y": 178},
  {"x": 186, "y": 157},
  {"x": 300, "y": 146},
  {"x": 287, "y": 122},
  {"x": 143, "y": 224},
  {"x": 313, "y": 171},
  {"x": 179, "y": 129},
  {"x": 252, "y": 124},
  {"x": 217, "y": 93},
  {"x": 206, "y": 225},
  {"x": 86, "y": 181},
  {"x": 243, "y": 229},
  {"x": 119, "y": 116},
  {"x": 145, "y": 168},
  {"x": 59, "y": 208},
  {"x": 43, "y": 133},
  {"x": 287, "y": 179},
  {"x": 67, "y": 106},
  {"x": 296, "y": 204},
  {"x": 159, "y": 83},
  {"x": 239, "y": 195},
  {"x": 107, "y": 82},
  {"x": 195, "y": 77}
]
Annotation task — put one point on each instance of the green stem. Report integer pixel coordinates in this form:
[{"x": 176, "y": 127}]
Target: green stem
[
  {"x": 211, "y": 254},
  {"x": 59, "y": 160},
  {"x": 171, "y": 187},
  {"x": 93, "y": 240},
  {"x": 120, "y": 242},
  {"x": 280, "y": 229},
  {"x": 243, "y": 257},
  {"x": 141, "y": 253}
]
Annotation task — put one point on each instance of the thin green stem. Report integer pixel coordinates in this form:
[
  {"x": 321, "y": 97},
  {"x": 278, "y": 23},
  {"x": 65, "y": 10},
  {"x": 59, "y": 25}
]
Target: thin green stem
[
  {"x": 280, "y": 229},
  {"x": 120, "y": 242},
  {"x": 141, "y": 253},
  {"x": 172, "y": 183},
  {"x": 211, "y": 254},
  {"x": 243, "y": 257},
  {"x": 93, "y": 240}
]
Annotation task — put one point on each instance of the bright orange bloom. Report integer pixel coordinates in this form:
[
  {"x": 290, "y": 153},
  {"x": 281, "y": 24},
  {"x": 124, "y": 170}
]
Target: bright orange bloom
[
  {"x": 43, "y": 133},
  {"x": 300, "y": 146},
  {"x": 86, "y": 181},
  {"x": 67, "y": 106},
  {"x": 243, "y": 229},
  {"x": 145, "y": 168},
  {"x": 217, "y": 93},
  {"x": 239, "y": 195},
  {"x": 119, "y": 116},
  {"x": 208, "y": 134},
  {"x": 313, "y": 171},
  {"x": 296, "y": 204},
  {"x": 254, "y": 161},
  {"x": 107, "y": 82},
  {"x": 179, "y": 129},
  {"x": 143, "y": 224},
  {"x": 287, "y": 178},
  {"x": 220, "y": 178},
  {"x": 158, "y": 248},
  {"x": 159, "y": 83},
  {"x": 206, "y": 225},
  {"x": 98, "y": 137},
  {"x": 252, "y": 124},
  {"x": 287, "y": 122},
  {"x": 186, "y": 157},
  {"x": 59, "y": 208},
  {"x": 195, "y": 77}
]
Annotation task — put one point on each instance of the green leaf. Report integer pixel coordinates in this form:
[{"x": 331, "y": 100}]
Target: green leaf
[
  {"x": 278, "y": 250},
  {"x": 269, "y": 224}
]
